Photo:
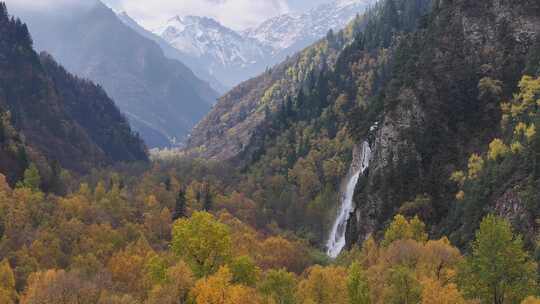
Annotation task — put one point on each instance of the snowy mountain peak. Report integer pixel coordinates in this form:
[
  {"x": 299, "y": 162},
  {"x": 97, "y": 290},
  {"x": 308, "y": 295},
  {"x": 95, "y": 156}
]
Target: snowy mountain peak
[
  {"x": 197, "y": 25},
  {"x": 181, "y": 23},
  {"x": 204, "y": 37},
  {"x": 233, "y": 56},
  {"x": 292, "y": 31},
  {"x": 347, "y": 3}
]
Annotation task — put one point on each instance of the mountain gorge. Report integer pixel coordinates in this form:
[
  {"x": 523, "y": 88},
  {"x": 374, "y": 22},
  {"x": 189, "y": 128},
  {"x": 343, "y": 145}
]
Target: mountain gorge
[
  {"x": 235, "y": 56},
  {"x": 161, "y": 97},
  {"x": 422, "y": 83}
]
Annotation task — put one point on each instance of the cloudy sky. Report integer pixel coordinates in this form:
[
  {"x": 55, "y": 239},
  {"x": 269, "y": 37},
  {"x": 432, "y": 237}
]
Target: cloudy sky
[{"x": 237, "y": 14}]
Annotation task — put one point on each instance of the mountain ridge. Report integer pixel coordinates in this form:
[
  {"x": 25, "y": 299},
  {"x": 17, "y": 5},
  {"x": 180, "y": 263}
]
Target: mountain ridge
[
  {"x": 173, "y": 53},
  {"x": 161, "y": 96},
  {"x": 235, "y": 56},
  {"x": 60, "y": 118}
]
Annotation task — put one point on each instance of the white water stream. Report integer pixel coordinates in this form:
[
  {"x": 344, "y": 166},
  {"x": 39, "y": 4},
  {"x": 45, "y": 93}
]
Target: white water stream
[{"x": 336, "y": 242}]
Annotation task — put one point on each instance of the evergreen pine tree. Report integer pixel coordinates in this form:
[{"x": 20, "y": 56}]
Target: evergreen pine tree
[
  {"x": 499, "y": 270},
  {"x": 3, "y": 12},
  {"x": 32, "y": 179},
  {"x": 180, "y": 208},
  {"x": 168, "y": 183},
  {"x": 55, "y": 184},
  {"x": 2, "y": 132},
  {"x": 390, "y": 20},
  {"x": 300, "y": 104},
  {"x": 289, "y": 107},
  {"x": 207, "y": 199}
]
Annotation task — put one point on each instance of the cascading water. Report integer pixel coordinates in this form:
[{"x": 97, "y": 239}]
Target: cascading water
[{"x": 336, "y": 242}]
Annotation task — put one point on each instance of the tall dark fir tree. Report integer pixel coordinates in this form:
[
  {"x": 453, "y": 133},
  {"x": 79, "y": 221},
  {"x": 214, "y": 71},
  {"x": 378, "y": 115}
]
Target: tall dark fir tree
[{"x": 180, "y": 208}]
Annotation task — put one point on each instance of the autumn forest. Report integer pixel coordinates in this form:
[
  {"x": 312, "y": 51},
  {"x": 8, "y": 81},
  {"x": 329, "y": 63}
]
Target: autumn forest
[{"x": 416, "y": 126}]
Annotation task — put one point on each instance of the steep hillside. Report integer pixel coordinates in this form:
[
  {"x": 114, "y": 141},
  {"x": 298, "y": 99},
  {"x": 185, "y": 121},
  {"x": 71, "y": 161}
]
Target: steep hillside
[
  {"x": 95, "y": 112},
  {"x": 441, "y": 105},
  {"x": 291, "y": 128},
  {"x": 174, "y": 53},
  {"x": 423, "y": 89},
  {"x": 226, "y": 132},
  {"x": 52, "y": 114},
  {"x": 161, "y": 97}
]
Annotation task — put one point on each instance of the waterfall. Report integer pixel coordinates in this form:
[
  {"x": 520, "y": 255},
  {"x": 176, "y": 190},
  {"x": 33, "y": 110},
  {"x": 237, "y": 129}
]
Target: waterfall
[{"x": 336, "y": 242}]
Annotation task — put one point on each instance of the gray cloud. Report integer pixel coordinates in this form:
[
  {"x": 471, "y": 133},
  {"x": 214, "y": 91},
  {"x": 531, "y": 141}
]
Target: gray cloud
[
  {"x": 47, "y": 5},
  {"x": 238, "y": 14}
]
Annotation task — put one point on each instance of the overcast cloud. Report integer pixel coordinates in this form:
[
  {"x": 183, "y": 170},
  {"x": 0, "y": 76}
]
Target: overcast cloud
[
  {"x": 237, "y": 14},
  {"x": 45, "y": 5}
]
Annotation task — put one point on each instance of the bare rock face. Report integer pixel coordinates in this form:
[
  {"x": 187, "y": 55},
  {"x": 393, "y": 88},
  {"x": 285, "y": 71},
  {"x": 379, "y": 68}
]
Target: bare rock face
[
  {"x": 511, "y": 207},
  {"x": 389, "y": 140},
  {"x": 388, "y": 146}
]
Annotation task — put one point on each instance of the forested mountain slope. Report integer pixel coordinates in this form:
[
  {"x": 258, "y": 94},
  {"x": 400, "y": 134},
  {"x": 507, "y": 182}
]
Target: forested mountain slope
[
  {"x": 171, "y": 52},
  {"x": 52, "y": 114},
  {"x": 442, "y": 105},
  {"x": 422, "y": 82},
  {"x": 161, "y": 97},
  {"x": 228, "y": 129}
]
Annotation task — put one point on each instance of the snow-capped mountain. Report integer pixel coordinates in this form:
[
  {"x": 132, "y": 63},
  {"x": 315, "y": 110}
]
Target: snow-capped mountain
[
  {"x": 226, "y": 54},
  {"x": 295, "y": 31},
  {"x": 233, "y": 57},
  {"x": 205, "y": 37},
  {"x": 171, "y": 52}
]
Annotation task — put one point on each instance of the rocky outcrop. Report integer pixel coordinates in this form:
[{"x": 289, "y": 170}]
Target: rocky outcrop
[
  {"x": 512, "y": 207},
  {"x": 389, "y": 144}
]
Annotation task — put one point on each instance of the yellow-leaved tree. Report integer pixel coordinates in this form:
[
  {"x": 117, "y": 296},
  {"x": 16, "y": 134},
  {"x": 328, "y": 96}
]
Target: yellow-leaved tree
[
  {"x": 203, "y": 242},
  {"x": 220, "y": 289},
  {"x": 403, "y": 229},
  {"x": 323, "y": 285},
  {"x": 8, "y": 295}
]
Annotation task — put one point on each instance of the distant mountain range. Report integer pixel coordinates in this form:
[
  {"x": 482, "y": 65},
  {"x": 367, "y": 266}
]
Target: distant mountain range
[
  {"x": 233, "y": 57},
  {"x": 165, "y": 81},
  {"x": 161, "y": 97},
  {"x": 292, "y": 32},
  {"x": 174, "y": 53}
]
